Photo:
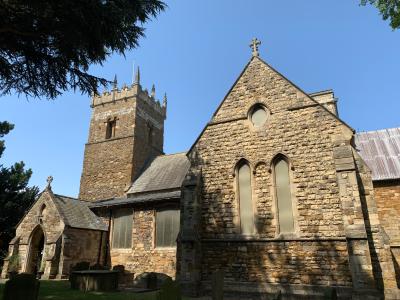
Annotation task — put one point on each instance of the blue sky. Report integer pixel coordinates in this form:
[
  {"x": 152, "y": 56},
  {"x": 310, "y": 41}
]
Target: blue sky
[{"x": 195, "y": 50}]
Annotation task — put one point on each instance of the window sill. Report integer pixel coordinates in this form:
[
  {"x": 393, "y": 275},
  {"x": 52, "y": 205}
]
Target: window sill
[
  {"x": 165, "y": 248},
  {"x": 121, "y": 250}
]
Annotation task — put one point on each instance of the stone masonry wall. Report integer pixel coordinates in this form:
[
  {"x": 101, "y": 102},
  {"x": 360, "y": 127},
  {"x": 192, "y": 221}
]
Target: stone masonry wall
[
  {"x": 387, "y": 196},
  {"x": 291, "y": 262},
  {"x": 303, "y": 135},
  {"x": 144, "y": 256},
  {"x": 82, "y": 245},
  {"x": 303, "y": 131},
  {"x": 52, "y": 226},
  {"x": 110, "y": 165}
]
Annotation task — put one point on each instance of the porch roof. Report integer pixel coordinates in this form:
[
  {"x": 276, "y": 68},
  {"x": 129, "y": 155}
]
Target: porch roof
[{"x": 76, "y": 213}]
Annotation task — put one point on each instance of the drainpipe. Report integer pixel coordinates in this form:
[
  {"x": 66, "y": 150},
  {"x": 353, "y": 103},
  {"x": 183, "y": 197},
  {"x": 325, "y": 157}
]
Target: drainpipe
[
  {"x": 100, "y": 244},
  {"x": 108, "y": 238}
]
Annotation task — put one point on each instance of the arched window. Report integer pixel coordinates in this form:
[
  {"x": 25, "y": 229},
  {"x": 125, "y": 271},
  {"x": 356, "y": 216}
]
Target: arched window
[
  {"x": 258, "y": 115},
  {"x": 245, "y": 199},
  {"x": 42, "y": 209},
  {"x": 283, "y": 195}
]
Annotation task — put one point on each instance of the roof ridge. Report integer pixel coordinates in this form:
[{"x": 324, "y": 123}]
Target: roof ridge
[
  {"x": 59, "y": 195},
  {"x": 170, "y": 154},
  {"x": 377, "y": 130},
  {"x": 308, "y": 95}
]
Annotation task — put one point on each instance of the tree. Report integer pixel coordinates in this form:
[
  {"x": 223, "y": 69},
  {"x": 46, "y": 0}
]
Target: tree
[
  {"x": 389, "y": 9},
  {"x": 15, "y": 195},
  {"x": 46, "y": 47}
]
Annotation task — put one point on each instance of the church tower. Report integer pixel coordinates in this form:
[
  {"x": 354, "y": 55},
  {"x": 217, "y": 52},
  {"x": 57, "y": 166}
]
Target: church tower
[{"x": 126, "y": 130}]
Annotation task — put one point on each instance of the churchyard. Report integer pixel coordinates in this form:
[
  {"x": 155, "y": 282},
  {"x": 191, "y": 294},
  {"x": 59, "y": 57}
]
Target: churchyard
[{"x": 60, "y": 290}]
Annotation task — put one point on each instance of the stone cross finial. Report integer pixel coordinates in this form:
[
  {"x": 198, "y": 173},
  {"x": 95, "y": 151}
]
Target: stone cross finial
[
  {"x": 254, "y": 46},
  {"x": 49, "y": 181}
]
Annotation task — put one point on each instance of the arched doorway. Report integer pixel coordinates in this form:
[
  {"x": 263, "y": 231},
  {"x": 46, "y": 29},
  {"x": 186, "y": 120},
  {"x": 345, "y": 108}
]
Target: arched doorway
[{"x": 36, "y": 247}]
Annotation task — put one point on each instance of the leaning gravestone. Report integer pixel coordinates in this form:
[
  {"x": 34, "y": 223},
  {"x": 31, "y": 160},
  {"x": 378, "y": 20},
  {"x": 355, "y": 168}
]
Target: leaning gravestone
[
  {"x": 169, "y": 291},
  {"x": 22, "y": 287}
]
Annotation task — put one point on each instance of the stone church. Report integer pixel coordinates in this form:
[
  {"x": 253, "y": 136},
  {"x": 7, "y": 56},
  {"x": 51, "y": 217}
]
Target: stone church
[{"x": 277, "y": 192}]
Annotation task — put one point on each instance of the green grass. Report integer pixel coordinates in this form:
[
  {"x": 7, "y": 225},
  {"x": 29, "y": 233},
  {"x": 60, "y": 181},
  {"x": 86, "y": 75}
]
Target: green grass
[{"x": 60, "y": 290}]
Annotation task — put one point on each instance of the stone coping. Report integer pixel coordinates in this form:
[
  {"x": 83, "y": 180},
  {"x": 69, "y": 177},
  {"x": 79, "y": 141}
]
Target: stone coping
[
  {"x": 255, "y": 239},
  {"x": 95, "y": 272}
]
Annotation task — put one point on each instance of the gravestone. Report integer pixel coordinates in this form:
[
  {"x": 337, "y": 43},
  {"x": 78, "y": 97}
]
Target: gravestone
[
  {"x": 330, "y": 293},
  {"x": 80, "y": 266},
  {"x": 170, "y": 290},
  {"x": 22, "y": 287},
  {"x": 98, "y": 267},
  {"x": 217, "y": 285},
  {"x": 150, "y": 280}
]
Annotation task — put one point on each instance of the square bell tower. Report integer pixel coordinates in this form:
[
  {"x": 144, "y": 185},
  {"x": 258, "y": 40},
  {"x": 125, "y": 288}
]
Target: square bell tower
[{"x": 126, "y": 130}]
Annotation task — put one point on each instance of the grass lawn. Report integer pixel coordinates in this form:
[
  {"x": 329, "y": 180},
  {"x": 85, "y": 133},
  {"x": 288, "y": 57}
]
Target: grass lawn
[{"x": 60, "y": 290}]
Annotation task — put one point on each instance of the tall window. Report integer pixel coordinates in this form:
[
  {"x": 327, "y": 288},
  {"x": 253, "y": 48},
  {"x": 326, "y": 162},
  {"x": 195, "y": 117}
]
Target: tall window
[
  {"x": 167, "y": 227},
  {"x": 245, "y": 200},
  {"x": 122, "y": 228},
  {"x": 283, "y": 195},
  {"x": 110, "y": 129}
]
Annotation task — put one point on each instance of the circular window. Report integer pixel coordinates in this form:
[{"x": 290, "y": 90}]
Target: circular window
[{"x": 258, "y": 116}]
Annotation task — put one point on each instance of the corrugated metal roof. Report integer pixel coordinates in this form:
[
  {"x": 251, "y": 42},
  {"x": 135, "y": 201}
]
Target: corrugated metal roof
[
  {"x": 165, "y": 172},
  {"x": 76, "y": 213},
  {"x": 380, "y": 150},
  {"x": 139, "y": 198}
]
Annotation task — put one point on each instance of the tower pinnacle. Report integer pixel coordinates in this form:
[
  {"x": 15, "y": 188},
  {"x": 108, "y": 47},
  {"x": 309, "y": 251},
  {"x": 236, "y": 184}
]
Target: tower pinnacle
[
  {"x": 115, "y": 82},
  {"x": 165, "y": 100},
  {"x": 254, "y": 46},
  {"x": 137, "y": 76}
]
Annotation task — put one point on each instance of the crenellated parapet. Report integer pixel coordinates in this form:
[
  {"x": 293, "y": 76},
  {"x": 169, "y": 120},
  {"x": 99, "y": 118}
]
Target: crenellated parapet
[{"x": 131, "y": 93}]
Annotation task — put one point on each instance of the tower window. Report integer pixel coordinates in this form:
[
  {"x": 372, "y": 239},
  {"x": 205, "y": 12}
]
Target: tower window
[{"x": 110, "y": 129}]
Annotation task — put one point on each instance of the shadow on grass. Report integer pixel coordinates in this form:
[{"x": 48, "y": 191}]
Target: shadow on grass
[{"x": 60, "y": 290}]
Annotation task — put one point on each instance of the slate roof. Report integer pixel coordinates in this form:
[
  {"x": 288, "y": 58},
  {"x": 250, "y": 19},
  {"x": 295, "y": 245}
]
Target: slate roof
[
  {"x": 76, "y": 213},
  {"x": 165, "y": 172},
  {"x": 380, "y": 150},
  {"x": 161, "y": 180},
  {"x": 140, "y": 198}
]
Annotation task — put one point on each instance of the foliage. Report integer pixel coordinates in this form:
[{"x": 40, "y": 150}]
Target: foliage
[
  {"x": 15, "y": 195},
  {"x": 46, "y": 47},
  {"x": 389, "y": 9},
  {"x": 13, "y": 263}
]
